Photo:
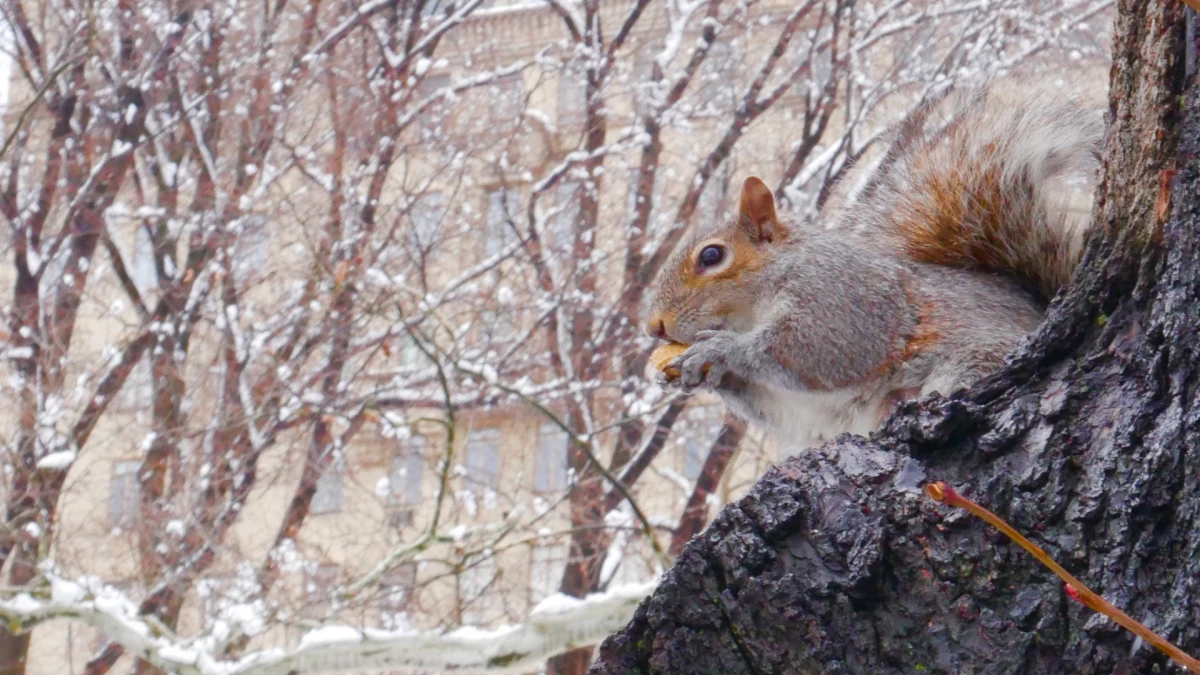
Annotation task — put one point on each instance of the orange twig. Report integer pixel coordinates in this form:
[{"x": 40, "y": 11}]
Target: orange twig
[{"x": 1075, "y": 588}]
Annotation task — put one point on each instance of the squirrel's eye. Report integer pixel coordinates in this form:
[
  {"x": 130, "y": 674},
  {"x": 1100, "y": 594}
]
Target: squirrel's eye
[{"x": 711, "y": 256}]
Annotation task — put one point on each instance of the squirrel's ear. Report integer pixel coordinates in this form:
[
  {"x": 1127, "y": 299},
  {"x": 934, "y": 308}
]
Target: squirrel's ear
[{"x": 756, "y": 211}]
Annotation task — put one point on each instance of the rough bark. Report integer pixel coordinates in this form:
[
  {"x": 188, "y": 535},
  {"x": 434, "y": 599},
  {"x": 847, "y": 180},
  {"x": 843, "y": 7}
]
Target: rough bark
[{"x": 1088, "y": 441}]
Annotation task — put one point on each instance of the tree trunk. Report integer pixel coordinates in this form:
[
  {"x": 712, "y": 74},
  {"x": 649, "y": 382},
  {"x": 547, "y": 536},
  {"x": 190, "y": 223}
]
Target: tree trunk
[{"x": 1088, "y": 441}]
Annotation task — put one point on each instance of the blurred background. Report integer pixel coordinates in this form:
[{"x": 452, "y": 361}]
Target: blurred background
[{"x": 323, "y": 313}]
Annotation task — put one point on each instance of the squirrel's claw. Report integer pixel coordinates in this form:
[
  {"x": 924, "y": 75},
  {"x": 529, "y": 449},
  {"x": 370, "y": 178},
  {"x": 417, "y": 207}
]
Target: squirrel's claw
[
  {"x": 691, "y": 373},
  {"x": 665, "y": 381},
  {"x": 704, "y": 362}
]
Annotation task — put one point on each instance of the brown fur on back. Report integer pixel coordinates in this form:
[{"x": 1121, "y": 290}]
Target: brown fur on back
[
  {"x": 915, "y": 280},
  {"x": 999, "y": 180}
]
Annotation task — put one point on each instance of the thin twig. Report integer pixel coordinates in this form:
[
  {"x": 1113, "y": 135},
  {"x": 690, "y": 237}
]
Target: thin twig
[
  {"x": 37, "y": 97},
  {"x": 1075, "y": 588}
]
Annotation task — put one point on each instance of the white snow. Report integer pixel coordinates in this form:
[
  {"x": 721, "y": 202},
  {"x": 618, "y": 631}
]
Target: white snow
[
  {"x": 327, "y": 635},
  {"x": 57, "y": 461},
  {"x": 383, "y": 487},
  {"x": 181, "y": 655},
  {"x": 22, "y": 603},
  {"x": 66, "y": 592},
  {"x": 18, "y": 353}
]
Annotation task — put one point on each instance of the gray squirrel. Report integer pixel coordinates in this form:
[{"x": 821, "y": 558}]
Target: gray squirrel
[{"x": 922, "y": 273}]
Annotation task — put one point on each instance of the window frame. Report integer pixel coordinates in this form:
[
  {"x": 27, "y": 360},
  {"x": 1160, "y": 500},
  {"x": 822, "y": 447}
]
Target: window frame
[
  {"x": 489, "y": 437},
  {"x": 546, "y": 481},
  {"x": 425, "y": 234},
  {"x": 125, "y": 473},
  {"x": 551, "y": 559},
  {"x": 317, "y": 506},
  {"x": 498, "y": 228},
  {"x": 475, "y": 595}
]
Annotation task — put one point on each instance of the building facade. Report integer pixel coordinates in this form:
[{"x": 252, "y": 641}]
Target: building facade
[{"x": 436, "y": 468}]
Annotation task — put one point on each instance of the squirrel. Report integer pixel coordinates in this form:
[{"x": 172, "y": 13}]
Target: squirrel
[{"x": 923, "y": 271}]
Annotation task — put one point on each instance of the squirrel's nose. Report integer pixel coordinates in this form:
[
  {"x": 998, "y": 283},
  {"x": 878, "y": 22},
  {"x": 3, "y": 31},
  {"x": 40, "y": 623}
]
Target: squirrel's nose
[{"x": 656, "y": 328}]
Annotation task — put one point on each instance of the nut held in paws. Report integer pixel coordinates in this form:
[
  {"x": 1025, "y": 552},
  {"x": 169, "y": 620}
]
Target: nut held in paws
[{"x": 667, "y": 353}]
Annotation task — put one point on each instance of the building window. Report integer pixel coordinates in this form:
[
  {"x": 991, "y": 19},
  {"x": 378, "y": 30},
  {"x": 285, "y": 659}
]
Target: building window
[
  {"x": 566, "y": 204},
  {"x": 546, "y": 571},
  {"x": 427, "y": 214},
  {"x": 550, "y": 474},
  {"x": 411, "y": 355},
  {"x": 319, "y": 583},
  {"x": 439, "y": 8},
  {"x": 642, "y": 87},
  {"x": 920, "y": 40},
  {"x": 395, "y": 593},
  {"x": 252, "y": 247},
  {"x": 476, "y": 584},
  {"x": 822, "y": 66},
  {"x": 137, "y": 392},
  {"x": 404, "y": 478},
  {"x": 502, "y": 210},
  {"x": 434, "y": 115},
  {"x": 483, "y": 458},
  {"x": 572, "y": 95},
  {"x": 711, "y": 206},
  {"x": 431, "y": 9},
  {"x": 144, "y": 273},
  {"x": 408, "y": 467},
  {"x": 714, "y": 92},
  {"x": 328, "y": 497},
  {"x": 496, "y": 326},
  {"x": 52, "y": 273},
  {"x": 693, "y": 458},
  {"x": 633, "y": 568},
  {"x": 507, "y": 99},
  {"x": 124, "y": 496},
  {"x": 704, "y": 425}
]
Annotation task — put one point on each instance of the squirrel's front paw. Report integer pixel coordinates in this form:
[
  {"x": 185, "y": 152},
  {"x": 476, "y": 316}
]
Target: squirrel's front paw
[{"x": 705, "y": 361}]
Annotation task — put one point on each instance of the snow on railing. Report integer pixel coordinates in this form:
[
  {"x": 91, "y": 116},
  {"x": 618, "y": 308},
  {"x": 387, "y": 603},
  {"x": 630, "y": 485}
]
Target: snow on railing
[{"x": 557, "y": 624}]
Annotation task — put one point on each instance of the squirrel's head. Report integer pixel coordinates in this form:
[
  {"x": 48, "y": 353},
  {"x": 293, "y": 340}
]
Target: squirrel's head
[{"x": 709, "y": 282}]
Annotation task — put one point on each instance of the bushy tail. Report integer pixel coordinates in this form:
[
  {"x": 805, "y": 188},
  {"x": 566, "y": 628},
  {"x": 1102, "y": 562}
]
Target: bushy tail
[{"x": 1000, "y": 179}]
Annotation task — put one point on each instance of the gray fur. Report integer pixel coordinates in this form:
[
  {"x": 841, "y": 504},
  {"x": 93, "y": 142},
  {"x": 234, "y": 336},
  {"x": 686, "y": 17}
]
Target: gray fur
[
  {"x": 1044, "y": 138},
  {"x": 841, "y": 322}
]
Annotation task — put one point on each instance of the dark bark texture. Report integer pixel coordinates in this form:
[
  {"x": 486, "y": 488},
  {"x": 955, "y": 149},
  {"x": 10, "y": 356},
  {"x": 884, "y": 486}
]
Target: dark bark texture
[{"x": 1088, "y": 441}]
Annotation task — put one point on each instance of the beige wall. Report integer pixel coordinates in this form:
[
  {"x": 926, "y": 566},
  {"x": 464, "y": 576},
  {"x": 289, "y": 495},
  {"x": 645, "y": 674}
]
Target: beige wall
[{"x": 353, "y": 537}]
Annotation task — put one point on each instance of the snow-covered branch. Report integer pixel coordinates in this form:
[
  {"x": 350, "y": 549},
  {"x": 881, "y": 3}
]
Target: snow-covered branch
[
  {"x": 365, "y": 277},
  {"x": 556, "y": 624}
]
